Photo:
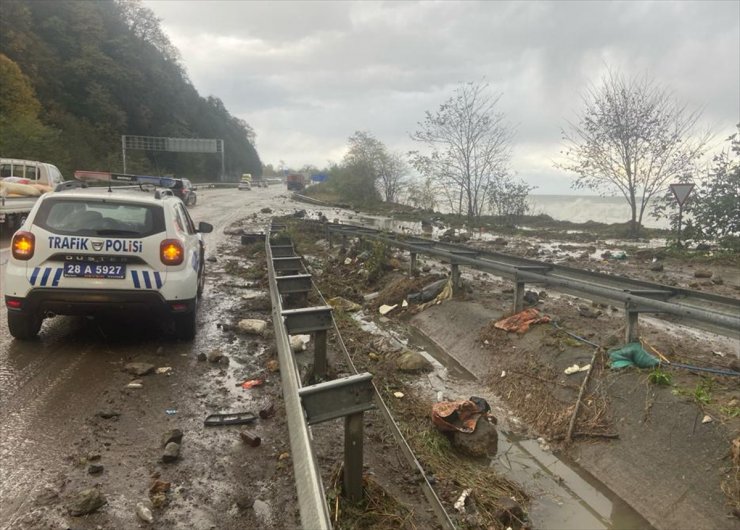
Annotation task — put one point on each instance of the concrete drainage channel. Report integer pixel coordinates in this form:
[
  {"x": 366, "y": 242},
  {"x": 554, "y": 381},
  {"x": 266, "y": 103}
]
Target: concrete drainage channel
[{"x": 563, "y": 494}]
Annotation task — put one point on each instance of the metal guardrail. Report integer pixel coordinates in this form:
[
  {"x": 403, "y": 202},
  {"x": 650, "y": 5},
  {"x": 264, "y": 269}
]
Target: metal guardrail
[
  {"x": 311, "y": 499},
  {"x": 637, "y": 296},
  {"x": 346, "y": 397}
]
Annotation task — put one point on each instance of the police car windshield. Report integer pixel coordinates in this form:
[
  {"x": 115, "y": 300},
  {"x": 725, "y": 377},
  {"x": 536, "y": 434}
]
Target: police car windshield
[{"x": 87, "y": 217}]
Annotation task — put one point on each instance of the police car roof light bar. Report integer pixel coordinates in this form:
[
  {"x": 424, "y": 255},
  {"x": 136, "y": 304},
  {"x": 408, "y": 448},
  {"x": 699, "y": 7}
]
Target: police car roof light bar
[{"x": 104, "y": 176}]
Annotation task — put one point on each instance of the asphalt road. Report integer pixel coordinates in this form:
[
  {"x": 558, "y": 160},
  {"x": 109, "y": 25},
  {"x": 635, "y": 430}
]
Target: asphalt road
[{"x": 52, "y": 386}]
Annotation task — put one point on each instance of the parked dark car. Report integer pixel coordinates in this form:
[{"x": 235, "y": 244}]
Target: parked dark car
[{"x": 185, "y": 191}]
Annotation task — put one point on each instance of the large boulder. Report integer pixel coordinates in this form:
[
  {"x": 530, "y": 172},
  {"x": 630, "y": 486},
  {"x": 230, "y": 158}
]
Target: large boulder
[
  {"x": 86, "y": 501},
  {"x": 411, "y": 361},
  {"x": 483, "y": 442}
]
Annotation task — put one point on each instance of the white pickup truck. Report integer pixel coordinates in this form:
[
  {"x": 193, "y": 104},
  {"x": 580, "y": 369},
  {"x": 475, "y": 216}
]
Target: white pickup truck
[{"x": 15, "y": 202}]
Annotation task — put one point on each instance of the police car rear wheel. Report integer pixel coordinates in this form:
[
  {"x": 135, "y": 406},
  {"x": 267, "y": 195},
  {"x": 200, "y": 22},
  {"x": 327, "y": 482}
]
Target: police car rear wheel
[
  {"x": 23, "y": 326},
  {"x": 185, "y": 326}
]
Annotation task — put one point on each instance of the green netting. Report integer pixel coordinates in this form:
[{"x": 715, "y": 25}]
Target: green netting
[{"x": 632, "y": 354}]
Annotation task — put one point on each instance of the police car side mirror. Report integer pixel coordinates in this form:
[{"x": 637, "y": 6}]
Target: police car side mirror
[{"x": 205, "y": 228}]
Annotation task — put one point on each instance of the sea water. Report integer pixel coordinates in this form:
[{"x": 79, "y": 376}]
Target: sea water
[{"x": 582, "y": 208}]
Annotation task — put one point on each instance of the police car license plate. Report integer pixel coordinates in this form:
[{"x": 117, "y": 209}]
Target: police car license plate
[{"x": 89, "y": 269}]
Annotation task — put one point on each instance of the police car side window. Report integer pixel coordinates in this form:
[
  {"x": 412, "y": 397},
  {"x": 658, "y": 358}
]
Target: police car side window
[{"x": 185, "y": 219}]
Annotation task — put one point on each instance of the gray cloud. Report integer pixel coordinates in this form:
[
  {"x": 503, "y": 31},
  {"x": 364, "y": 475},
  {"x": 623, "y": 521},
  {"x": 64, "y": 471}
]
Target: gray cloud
[{"x": 306, "y": 75}]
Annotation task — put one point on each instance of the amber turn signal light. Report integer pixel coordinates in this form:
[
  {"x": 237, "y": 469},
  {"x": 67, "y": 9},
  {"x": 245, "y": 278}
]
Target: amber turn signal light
[
  {"x": 23, "y": 245},
  {"x": 171, "y": 252}
]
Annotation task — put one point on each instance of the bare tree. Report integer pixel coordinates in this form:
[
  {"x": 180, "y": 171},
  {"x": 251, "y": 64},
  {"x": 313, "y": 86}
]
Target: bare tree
[
  {"x": 632, "y": 137},
  {"x": 469, "y": 144},
  {"x": 393, "y": 172}
]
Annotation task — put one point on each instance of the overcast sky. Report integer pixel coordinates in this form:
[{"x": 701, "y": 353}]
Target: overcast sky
[{"x": 307, "y": 75}]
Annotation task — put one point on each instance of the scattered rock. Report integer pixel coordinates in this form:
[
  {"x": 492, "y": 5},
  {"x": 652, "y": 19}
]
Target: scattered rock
[
  {"x": 139, "y": 369},
  {"x": 531, "y": 298},
  {"x": 173, "y": 435},
  {"x": 273, "y": 365},
  {"x": 394, "y": 264},
  {"x": 298, "y": 342},
  {"x": 136, "y": 383},
  {"x": 410, "y": 361},
  {"x": 345, "y": 305},
  {"x": 717, "y": 280},
  {"x": 480, "y": 443},
  {"x": 144, "y": 513},
  {"x": 95, "y": 469},
  {"x": 588, "y": 312},
  {"x": 426, "y": 268},
  {"x": 212, "y": 259},
  {"x": 385, "y": 309},
  {"x": 214, "y": 356},
  {"x": 702, "y": 273},
  {"x": 510, "y": 512},
  {"x": 202, "y": 357},
  {"x": 266, "y": 210},
  {"x": 107, "y": 414},
  {"x": 656, "y": 266},
  {"x": 86, "y": 501},
  {"x": 703, "y": 247},
  {"x": 224, "y": 360},
  {"x": 171, "y": 452},
  {"x": 371, "y": 296},
  {"x": 253, "y": 326}
]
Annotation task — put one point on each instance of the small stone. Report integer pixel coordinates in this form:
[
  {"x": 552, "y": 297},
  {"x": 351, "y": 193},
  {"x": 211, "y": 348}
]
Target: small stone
[
  {"x": 656, "y": 267},
  {"x": 480, "y": 443},
  {"x": 86, "y": 501},
  {"x": 136, "y": 383},
  {"x": 273, "y": 365},
  {"x": 252, "y": 325},
  {"x": 214, "y": 356},
  {"x": 95, "y": 469},
  {"x": 266, "y": 210},
  {"x": 224, "y": 360},
  {"x": 588, "y": 312},
  {"x": 107, "y": 414},
  {"x": 173, "y": 435},
  {"x": 139, "y": 369},
  {"x": 509, "y": 511},
  {"x": 202, "y": 357},
  {"x": 531, "y": 298},
  {"x": 717, "y": 280},
  {"x": 212, "y": 259},
  {"x": 426, "y": 268},
  {"x": 144, "y": 513},
  {"x": 702, "y": 273},
  {"x": 171, "y": 453}
]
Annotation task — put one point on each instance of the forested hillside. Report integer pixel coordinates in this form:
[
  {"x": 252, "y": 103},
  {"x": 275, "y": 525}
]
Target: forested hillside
[{"x": 75, "y": 75}]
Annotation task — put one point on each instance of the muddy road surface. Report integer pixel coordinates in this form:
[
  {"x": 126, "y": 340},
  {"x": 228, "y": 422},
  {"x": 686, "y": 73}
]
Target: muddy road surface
[{"x": 71, "y": 420}]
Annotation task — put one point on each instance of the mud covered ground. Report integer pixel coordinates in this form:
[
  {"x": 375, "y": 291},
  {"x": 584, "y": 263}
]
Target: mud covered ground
[{"x": 636, "y": 430}]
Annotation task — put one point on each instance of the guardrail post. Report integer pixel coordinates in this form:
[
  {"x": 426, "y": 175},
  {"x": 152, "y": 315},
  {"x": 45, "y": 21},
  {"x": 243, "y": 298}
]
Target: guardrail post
[
  {"x": 456, "y": 282},
  {"x": 353, "y": 455},
  {"x": 519, "y": 296},
  {"x": 630, "y": 332},
  {"x": 316, "y": 321},
  {"x": 413, "y": 263}
]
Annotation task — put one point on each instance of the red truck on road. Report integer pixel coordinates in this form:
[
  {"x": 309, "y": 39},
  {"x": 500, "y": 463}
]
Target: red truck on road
[{"x": 295, "y": 182}]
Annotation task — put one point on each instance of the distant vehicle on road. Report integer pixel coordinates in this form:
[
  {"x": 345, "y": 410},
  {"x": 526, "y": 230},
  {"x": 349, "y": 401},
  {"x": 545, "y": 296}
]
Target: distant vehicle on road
[
  {"x": 260, "y": 182},
  {"x": 295, "y": 182},
  {"x": 185, "y": 191},
  {"x": 246, "y": 182},
  {"x": 21, "y": 184}
]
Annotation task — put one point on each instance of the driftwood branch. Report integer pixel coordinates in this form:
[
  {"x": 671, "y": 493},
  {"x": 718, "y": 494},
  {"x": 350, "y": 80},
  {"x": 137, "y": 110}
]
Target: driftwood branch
[{"x": 569, "y": 436}]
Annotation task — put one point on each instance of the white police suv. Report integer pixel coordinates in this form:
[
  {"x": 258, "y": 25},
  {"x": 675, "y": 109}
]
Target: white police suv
[{"x": 100, "y": 252}]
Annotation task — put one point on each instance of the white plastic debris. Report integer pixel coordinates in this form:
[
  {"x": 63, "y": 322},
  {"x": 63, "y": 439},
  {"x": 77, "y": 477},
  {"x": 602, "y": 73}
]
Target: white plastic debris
[
  {"x": 399, "y": 395},
  {"x": 585, "y": 368},
  {"x": 707, "y": 419},
  {"x": 503, "y": 373},
  {"x": 572, "y": 369},
  {"x": 385, "y": 309},
  {"x": 164, "y": 369},
  {"x": 721, "y": 354},
  {"x": 460, "y": 502},
  {"x": 348, "y": 261},
  {"x": 135, "y": 384},
  {"x": 404, "y": 304}
]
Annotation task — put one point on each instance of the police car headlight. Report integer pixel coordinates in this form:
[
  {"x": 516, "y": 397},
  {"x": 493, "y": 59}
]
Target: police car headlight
[
  {"x": 171, "y": 252},
  {"x": 23, "y": 245}
]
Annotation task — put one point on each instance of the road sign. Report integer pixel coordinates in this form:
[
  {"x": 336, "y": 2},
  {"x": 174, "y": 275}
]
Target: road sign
[{"x": 681, "y": 191}]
